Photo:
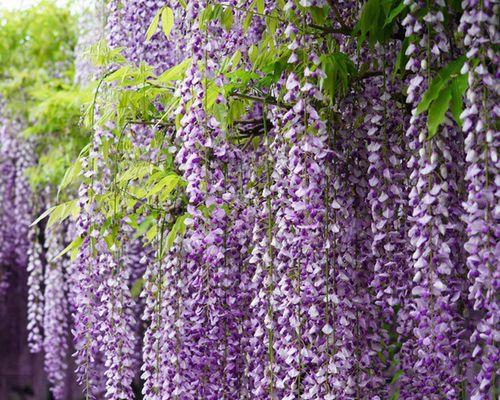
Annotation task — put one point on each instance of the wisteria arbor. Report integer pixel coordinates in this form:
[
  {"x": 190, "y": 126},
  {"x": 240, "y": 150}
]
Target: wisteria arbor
[{"x": 260, "y": 199}]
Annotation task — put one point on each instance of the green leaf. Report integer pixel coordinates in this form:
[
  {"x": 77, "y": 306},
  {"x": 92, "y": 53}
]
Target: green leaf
[
  {"x": 237, "y": 108},
  {"x": 176, "y": 72},
  {"x": 70, "y": 175},
  {"x": 248, "y": 19},
  {"x": 210, "y": 13},
  {"x": 247, "y": 22},
  {"x": 253, "y": 53},
  {"x": 456, "y": 5},
  {"x": 402, "y": 58},
  {"x": 153, "y": 26},
  {"x": 212, "y": 92},
  {"x": 458, "y": 87},
  {"x": 144, "y": 226},
  {"x": 178, "y": 227},
  {"x": 137, "y": 171},
  {"x": 227, "y": 18},
  {"x": 119, "y": 75},
  {"x": 368, "y": 25},
  {"x": 151, "y": 233},
  {"x": 338, "y": 68},
  {"x": 446, "y": 73},
  {"x": 170, "y": 186},
  {"x": 75, "y": 244},
  {"x": 205, "y": 16},
  {"x": 101, "y": 54},
  {"x": 437, "y": 111},
  {"x": 45, "y": 214},
  {"x": 396, "y": 376},
  {"x": 395, "y": 395},
  {"x": 63, "y": 211},
  {"x": 319, "y": 14},
  {"x": 235, "y": 59},
  {"x": 272, "y": 22},
  {"x": 221, "y": 114},
  {"x": 171, "y": 236},
  {"x": 136, "y": 289},
  {"x": 445, "y": 92},
  {"x": 394, "y": 13},
  {"x": 217, "y": 11},
  {"x": 167, "y": 21},
  {"x": 165, "y": 185},
  {"x": 260, "y": 6}
]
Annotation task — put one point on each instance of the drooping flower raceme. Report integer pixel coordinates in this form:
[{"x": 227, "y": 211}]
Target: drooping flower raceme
[
  {"x": 478, "y": 24},
  {"x": 437, "y": 322},
  {"x": 35, "y": 294},
  {"x": 55, "y": 316}
]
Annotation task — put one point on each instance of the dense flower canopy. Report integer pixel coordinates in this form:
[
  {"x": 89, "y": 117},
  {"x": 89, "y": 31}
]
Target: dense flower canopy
[{"x": 267, "y": 199}]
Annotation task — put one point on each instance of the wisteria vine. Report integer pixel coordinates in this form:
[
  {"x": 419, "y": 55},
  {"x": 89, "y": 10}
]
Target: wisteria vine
[{"x": 277, "y": 200}]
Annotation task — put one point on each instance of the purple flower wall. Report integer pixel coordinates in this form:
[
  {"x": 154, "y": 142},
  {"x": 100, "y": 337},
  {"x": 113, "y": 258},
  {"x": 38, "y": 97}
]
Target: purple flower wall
[{"x": 344, "y": 255}]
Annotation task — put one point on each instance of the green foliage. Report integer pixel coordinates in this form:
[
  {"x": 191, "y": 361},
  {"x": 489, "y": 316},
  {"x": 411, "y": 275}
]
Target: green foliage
[
  {"x": 36, "y": 80},
  {"x": 444, "y": 93},
  {"x": 179, "y": 228},
  {"x": 402, "y": 58},
  {"x": 167, "y": 21},
  {"x": 437, "y": 111},
  {"x": 37, "y": 37},
  {"x": 100, "y": 54},
  {"x": 396, "y": 377},
  {"x": 213, "y": 12},
  {"x": 136, "y": 289},
  {"x": 227, "y": 18},
  {"x": 59, "y": 213},
  {"x": 56, "y": 109},
  {"x": 175, "y": 73},
  {"x": 376, "y": 21},
  {"x": 319, "y": 14},
  {"x": 395, "y": 395},
  {"x": 338, "y": 69},
  {"x": 127, "y": 96},
  {"x": 71, "y": 248},
  {"x": 153, "y": 26}
]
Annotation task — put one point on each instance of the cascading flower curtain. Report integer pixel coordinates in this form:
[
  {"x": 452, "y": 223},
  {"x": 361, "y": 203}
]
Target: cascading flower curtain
[{"x": 278, "y": 200}]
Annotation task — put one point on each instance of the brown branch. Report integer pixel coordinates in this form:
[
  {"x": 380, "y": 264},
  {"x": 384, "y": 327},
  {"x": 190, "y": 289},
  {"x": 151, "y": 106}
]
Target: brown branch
[
  {"x": 336, "y": 11},
  {"x": 249, "y": 121},
  {"x": 263, "y": 100},
  {"x": 348, "y": 31},
  {"x": 143, "y": 122},
  {"x": 155, "y": 85},
  {"x": 249, "y": 141},
  {"x": 330, "y": 29},
  {"x": 368, "y": 74},
  {"x": 142, "y": 201}
]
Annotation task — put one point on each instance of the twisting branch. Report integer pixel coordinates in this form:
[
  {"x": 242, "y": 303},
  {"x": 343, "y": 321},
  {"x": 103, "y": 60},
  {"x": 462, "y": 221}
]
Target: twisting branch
[
  {"x": 330, "y": 29},
  {"x": 368, "y": 74},
  {"x": 263, "y": 100},
  {"x": 152, "y": 122},
  {"x": 336, "y": 11}
]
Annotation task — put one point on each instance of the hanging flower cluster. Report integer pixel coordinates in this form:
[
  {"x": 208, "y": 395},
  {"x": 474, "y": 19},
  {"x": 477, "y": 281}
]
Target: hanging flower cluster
[
  {"x": 478, "y": 24},
  {"x": 436, "y": 317},
  {"x": 280, "y": 200},
  {"x": 55, "y": 316}
]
